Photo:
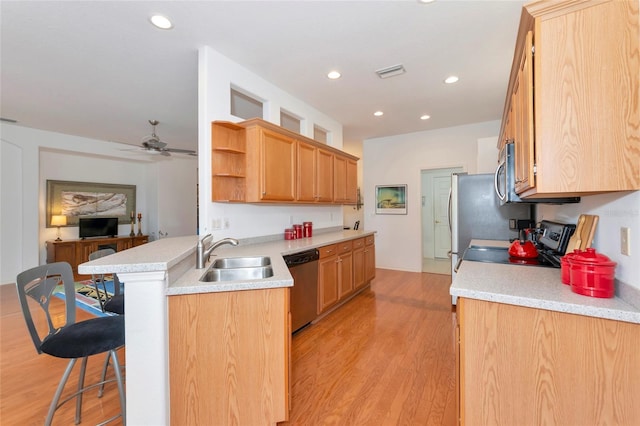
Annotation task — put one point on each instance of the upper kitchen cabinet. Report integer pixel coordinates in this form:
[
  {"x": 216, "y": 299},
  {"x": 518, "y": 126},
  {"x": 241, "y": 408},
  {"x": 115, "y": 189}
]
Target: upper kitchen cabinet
[
  {"x": 345, "y": 180},
  {"x": 271, "y": 165},
  {"x": 572, "y": 102},
  {"x": 315, "y": 174},
  {"x": 256, "y": 161}
]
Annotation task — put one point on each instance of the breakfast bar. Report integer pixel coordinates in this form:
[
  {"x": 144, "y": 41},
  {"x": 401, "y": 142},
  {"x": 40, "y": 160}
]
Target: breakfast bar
[{"x": 166, "y": 267}]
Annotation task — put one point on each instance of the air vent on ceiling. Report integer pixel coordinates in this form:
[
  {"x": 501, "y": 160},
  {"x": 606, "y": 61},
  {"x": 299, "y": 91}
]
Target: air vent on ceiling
[{"x": 391, "y": 71}]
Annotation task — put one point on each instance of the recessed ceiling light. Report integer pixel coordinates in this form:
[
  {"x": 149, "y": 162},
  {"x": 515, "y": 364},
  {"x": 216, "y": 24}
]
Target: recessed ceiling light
[
  {"x": 426, "y": 1},
  {"x": 425, "y": 117},
  {"x": 378, "y": 113},
  {"x": 333, "y": 75},
  {"x": 451, "y": 79},
  {"x": 161, "y": 22}
]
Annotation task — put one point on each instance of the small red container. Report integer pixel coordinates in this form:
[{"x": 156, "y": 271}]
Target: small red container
[
  {"x": 307, "y": 229},
  {"x": 298, "y": 230},
  {"x": 565, "y": 266},
  {"x": 592, "y": 274},
  {"x": 289, "y": 234}
]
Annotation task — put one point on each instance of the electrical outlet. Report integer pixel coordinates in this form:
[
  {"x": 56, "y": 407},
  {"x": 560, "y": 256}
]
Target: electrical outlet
[
  {"x": 225, "y": 223},
  {"x": 625, "y": 243}
]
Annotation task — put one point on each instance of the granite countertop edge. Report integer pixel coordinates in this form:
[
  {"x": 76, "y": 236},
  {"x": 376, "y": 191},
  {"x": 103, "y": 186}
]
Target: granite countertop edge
[
  {"x": 535, "y": 287},
  {"x": 163, "y": 254}
]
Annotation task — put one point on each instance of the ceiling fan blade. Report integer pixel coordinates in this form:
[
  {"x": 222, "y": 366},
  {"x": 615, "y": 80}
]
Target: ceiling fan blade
[{"x": 181, "y": 151}]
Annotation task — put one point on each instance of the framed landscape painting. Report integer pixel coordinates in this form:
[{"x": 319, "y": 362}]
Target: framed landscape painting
[
  {"x": 86, "y": 199},
  {"x": 391, "y": 199}
]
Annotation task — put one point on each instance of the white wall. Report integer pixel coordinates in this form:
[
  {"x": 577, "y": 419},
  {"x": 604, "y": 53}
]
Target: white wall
[
  {"x": 614, "y": 210},
  {"x": 29, "y": 157},
  {"x": 216, "y": 75},
  {"x": 400, "y": 160}
]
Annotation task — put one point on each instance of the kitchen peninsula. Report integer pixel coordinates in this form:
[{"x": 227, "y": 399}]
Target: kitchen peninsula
[
  {"x": 165, "y": 269},
  {"x": 531, "y": 350}
]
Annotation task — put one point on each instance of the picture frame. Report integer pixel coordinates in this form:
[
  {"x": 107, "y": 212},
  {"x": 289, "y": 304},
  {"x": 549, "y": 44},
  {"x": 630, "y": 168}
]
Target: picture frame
[
  {"x": 391, "y": 199},
  {"x": 89, "y": 199}
]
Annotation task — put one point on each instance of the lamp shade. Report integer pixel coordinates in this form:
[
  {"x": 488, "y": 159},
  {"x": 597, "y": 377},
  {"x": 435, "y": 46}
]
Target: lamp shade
[{"x": 58, "y": 220}]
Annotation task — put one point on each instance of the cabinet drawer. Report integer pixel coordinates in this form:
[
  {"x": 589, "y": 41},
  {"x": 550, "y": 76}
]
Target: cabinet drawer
[
  {"x": 345, "y": 247},
  {"x": 328, "y": 251},
  {"x": 369, "y": 240},
  {"x": 358, "y": 243}
]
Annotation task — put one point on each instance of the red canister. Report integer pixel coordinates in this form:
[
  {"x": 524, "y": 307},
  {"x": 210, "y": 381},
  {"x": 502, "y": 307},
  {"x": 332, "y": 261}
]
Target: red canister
[
  {"x": 298, "y": 230},
  {"x": 289, "y": 234},
  {"x": 565, "y": 266},
  {"x": 593, "y": 274},
  {"x": 307, "y": 229}
]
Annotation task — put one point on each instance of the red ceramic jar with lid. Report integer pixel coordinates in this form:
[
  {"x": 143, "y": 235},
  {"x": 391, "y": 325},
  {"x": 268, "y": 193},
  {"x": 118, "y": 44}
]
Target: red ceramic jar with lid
[
  {"x": 565, "y": 266},
  {"x": 592, "y": 274},
  {"x": 307, "y": 229}
]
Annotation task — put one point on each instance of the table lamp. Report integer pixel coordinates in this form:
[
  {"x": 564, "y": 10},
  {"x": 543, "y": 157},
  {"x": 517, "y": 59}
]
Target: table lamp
[{"x": 58, "y": 221}]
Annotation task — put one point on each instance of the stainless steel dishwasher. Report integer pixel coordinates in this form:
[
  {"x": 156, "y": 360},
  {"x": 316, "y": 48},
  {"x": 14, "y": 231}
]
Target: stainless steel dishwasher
[{"x": 303, "y": 267}]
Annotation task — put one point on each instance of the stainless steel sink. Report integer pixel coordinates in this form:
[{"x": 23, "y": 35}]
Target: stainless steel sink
[
  {"x": 241, "y": 262},
  {"x": 237, "y": 274}
]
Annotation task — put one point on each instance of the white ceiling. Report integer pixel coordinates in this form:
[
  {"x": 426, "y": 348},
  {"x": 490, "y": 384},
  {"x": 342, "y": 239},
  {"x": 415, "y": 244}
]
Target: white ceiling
[{"x": 100, "y": 70}]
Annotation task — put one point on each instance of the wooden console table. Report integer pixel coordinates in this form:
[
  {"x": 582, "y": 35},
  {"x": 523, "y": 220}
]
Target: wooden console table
[{"x": 77, "y": 251}]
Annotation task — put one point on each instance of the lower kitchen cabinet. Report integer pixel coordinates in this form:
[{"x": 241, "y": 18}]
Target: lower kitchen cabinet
[
  {"x": 358, "y": 264},
  {"x": 521, "y": 365},
  {"x": 345, "y": 269},
  {"x": 327, "y": 278},
  {"x": 229, "y": 357},
  {"x": 369, "y": 258}
]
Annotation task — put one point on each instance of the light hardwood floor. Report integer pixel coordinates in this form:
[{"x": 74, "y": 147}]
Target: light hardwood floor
[{"x": 384, "y": 358}]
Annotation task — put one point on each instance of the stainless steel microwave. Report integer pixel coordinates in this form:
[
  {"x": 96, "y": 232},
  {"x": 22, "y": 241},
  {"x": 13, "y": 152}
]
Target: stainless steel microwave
[{"x": 505, "y": 181}]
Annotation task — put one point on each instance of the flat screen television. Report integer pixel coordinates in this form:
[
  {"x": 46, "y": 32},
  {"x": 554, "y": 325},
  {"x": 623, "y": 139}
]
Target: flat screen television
[{"x": 98, "y": 227}]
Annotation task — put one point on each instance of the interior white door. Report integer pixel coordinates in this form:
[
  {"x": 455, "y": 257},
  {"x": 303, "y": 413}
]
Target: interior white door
[{"x": 442, "y": 235}]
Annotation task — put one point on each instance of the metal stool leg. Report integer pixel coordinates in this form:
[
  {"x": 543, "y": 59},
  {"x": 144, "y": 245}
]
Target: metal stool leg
[
  {"x": 56, "y": 397},
  {"x": 116, "y": 368},
  {"x": 104, "y": 375},
  {"x": 83, "y": 370}
]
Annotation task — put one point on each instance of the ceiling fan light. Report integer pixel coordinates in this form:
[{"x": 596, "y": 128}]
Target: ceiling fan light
[{"x": 161, "y": 22}]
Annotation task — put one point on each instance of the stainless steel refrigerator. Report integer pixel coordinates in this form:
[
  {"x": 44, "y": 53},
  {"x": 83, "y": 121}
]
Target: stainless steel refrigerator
[{"x": 475, "y": 213}]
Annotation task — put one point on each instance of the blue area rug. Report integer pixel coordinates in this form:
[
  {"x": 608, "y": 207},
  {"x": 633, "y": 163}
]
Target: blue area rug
[{"x": 87, "y": 297}]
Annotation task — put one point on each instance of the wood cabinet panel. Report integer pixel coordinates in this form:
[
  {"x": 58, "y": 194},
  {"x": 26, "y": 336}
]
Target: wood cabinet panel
[
  {"x": 345, "y": 180},
  {"x": 327, "y": 282},
  {"x": 359, "y": 280},
  {"x": 369, "y": 259},
  {"x": 583, "y": 98},
  {"x": 271, "y": 166},
  {"x": 544, "y": 367},
  {"x": 257, "y": 161},
  {"x": 314, "y": 174},
  {"x": 230, "y": 357}
]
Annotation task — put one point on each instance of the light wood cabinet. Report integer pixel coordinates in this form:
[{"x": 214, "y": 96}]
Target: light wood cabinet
[
  {"x": 369, "y": 258},
  {"x": 345, "y": 180},
  {"x": 327, "y": 278},
  {"x": 256, "y": 161},
  {"x": 76, "y": 252},
  {"x": 315, "y": 173},
  {"x": 358, "y": 264},
  {"x": 229, "y": 357},
  {"x": 572, "y": 98},
  {"x": 345, "y": 269},
  {"x": 532, "y": 366},
  {"x": 271, "y": 166}
]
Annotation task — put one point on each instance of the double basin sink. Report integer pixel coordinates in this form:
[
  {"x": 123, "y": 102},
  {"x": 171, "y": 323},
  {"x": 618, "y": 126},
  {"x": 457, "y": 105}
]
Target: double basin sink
[{"x": 238, "y": 269}]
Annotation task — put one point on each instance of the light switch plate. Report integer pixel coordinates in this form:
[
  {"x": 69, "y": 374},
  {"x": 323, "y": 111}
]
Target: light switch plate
[{"x": 625, "y": 243}]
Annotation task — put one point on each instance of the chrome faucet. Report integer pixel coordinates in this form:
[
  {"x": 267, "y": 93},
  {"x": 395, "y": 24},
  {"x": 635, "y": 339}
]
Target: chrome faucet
[{"x": 203, "y": 253}]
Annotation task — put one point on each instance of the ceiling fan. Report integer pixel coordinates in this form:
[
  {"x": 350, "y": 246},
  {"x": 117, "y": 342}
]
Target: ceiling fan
[{"x": 153, "y": 144}]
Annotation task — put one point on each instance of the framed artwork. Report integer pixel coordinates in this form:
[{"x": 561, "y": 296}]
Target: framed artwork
[
  {"x": 86, "y": 199},
  {"x": 391, "y": 199}
]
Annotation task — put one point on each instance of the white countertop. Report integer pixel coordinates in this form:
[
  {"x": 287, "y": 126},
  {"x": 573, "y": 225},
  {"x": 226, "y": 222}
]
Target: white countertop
[
  {"x": 165, "y": 253},
  {"x": 533, "y": 287}
]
